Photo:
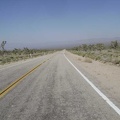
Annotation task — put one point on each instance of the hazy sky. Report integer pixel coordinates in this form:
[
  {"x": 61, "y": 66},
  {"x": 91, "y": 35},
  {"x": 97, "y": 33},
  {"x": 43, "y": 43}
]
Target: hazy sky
[{"x": 48, "y": 23}]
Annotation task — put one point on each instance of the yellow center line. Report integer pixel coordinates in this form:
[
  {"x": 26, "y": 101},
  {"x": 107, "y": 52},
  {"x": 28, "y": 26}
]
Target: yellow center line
[{"x": 16, "y": 82}]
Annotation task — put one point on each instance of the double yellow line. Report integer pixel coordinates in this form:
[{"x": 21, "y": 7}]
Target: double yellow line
[{"x": 16, "y": 82}]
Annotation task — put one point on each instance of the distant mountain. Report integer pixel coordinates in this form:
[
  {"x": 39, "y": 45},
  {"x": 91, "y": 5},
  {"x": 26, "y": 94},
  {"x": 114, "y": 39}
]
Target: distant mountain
[
  {"x": 74, "y": 43},
  {"x": 99, "y": 40},
  {"x": 64, "y": 43}
]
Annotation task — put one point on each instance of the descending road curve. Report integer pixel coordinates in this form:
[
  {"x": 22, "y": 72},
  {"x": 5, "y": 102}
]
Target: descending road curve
[{"x": 54, "y": 91}]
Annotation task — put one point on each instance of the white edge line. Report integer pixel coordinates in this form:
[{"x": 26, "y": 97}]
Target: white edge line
[{"x": 112, "y": 105}]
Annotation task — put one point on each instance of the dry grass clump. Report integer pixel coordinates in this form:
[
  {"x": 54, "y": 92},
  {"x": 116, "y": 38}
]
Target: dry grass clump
[
  {"x": 116, "y": 61},
  {"x": 88, "y": 60}
]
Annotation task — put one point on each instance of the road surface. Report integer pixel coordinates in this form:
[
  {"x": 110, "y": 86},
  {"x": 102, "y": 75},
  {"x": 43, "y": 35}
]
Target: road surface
[{"x": 53, "y": 91}]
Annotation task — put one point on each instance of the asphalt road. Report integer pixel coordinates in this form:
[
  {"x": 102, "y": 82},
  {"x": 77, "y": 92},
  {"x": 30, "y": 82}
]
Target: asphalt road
[{"x": 54, "y": 91}]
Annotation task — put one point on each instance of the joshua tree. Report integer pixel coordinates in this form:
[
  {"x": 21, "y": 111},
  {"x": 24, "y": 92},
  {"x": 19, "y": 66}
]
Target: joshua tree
[
  {"x": 114, "y": 44},
  {"x": 84, "y": 47},
  {"x": 100, "y": 46},
  {"x": 3, "y": 45}
]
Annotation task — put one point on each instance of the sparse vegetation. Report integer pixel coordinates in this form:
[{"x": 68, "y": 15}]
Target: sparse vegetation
[
  {"x": 7, "y": 56},
  {"x": 104, "y": 53}
]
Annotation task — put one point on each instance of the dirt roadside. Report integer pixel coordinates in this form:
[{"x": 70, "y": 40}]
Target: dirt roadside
[{"x": 107, "y": 76}]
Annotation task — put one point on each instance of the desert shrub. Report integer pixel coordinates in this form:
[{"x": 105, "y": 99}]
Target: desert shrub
[
  {"x": 8, "y": 59},
  {"x": 116, "y": 61},
  {"x": 109, "y": 50},
  {"x": 97, "y": 58},
  {"x": 107, "y": 59},
  {"x": 3, "y": 61},
  {"x": 83, "y": 54},
  {"x": 90, "y": 55},
  {"x": 11, "y": 57}
]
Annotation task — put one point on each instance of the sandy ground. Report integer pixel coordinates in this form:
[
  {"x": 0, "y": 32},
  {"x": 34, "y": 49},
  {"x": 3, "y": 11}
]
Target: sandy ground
[{"x": 107, "y": 77}]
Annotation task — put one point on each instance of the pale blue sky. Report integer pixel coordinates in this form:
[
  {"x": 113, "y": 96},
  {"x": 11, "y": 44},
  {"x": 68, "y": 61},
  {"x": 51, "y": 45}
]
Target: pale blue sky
[{"x": 54, "y": 23}]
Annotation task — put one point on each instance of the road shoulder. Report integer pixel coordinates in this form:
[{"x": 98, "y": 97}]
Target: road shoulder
[{"x": 106, "y": 77}]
